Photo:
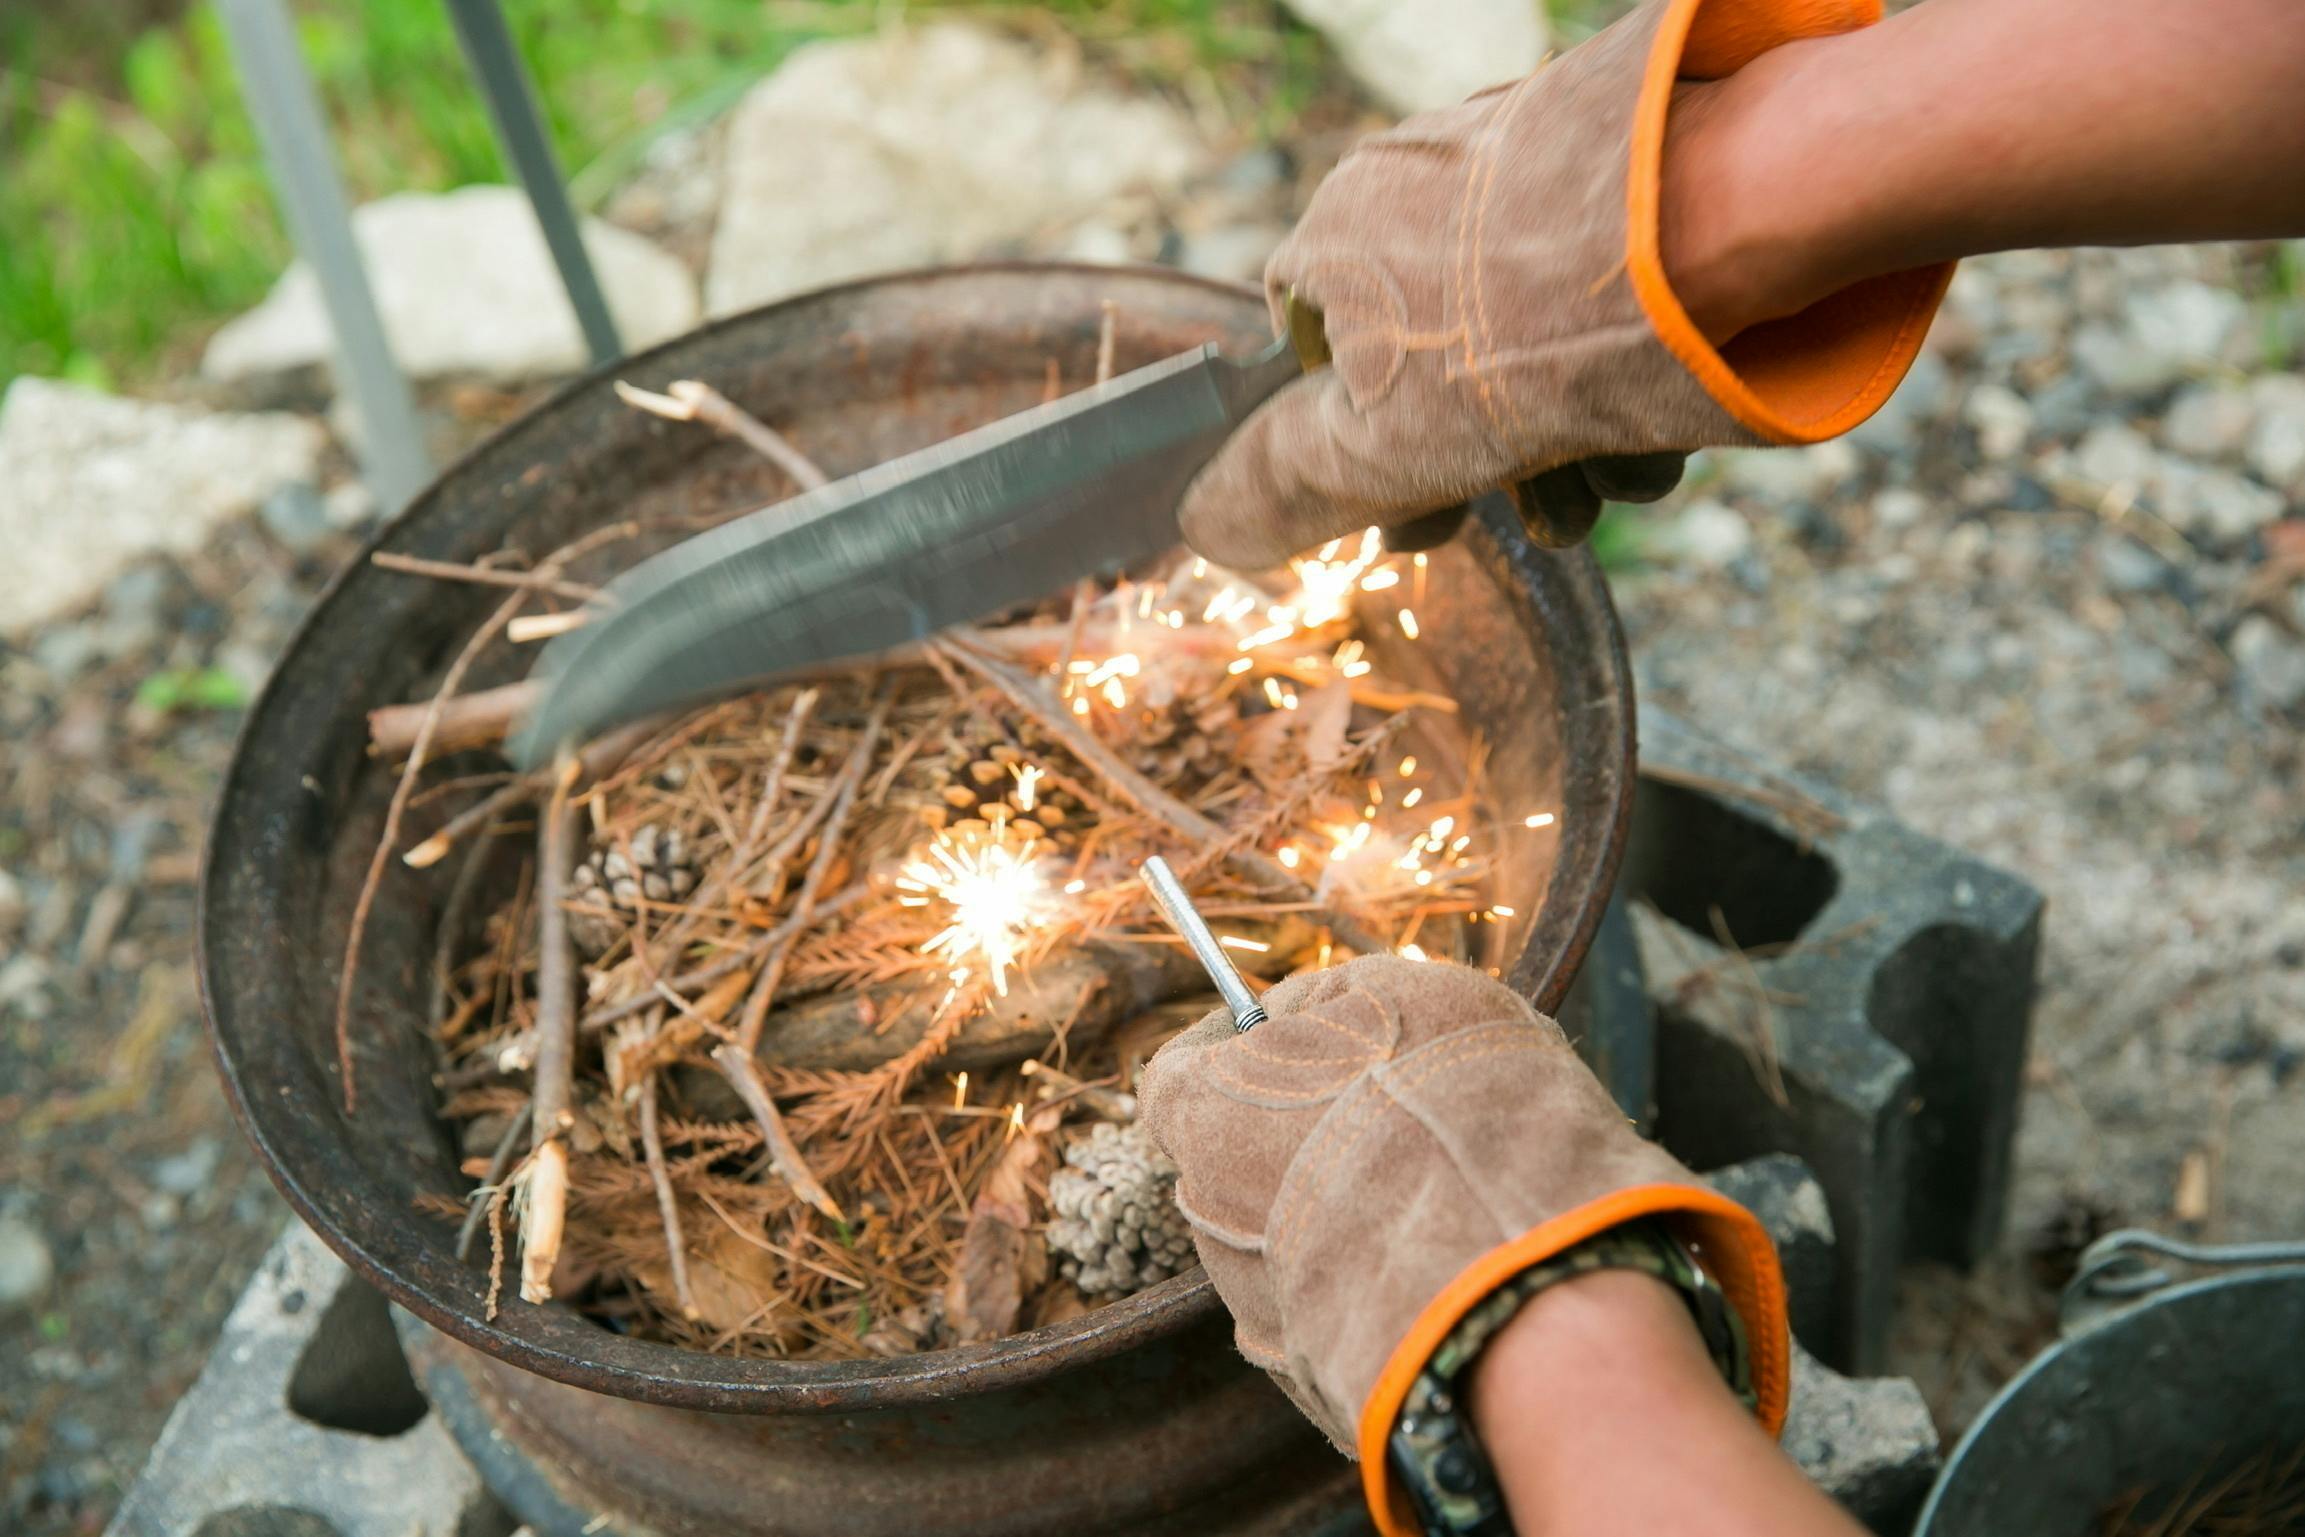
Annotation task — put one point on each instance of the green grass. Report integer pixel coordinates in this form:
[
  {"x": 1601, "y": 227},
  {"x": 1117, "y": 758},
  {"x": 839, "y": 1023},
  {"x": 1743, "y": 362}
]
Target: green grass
[{"x": 134, "y": 209}]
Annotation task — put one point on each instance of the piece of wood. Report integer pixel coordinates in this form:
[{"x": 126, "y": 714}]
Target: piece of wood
[
  {"x": 1096, "y": 986},
  {"x": 736, "y": 1065},
  {"x": 544, "y": 1212}
]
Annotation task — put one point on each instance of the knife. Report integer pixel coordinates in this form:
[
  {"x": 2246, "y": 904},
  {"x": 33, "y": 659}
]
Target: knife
[{"x": 1088, "y": 484}]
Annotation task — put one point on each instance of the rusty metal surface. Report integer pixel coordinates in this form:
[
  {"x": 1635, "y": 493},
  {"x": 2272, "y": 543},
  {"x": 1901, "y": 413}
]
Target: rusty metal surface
[{"x": 855, "y": 375}]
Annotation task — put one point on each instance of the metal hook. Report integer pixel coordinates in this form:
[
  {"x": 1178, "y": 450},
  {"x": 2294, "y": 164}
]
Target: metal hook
[{"x": 2118, "y": 1269}]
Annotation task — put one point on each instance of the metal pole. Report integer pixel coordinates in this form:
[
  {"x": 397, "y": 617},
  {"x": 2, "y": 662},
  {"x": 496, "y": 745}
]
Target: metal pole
[
  {"x": 295, "y": 139},
  {"x": 495, "y": 63},
  {"x": 1177, "y": 907}
]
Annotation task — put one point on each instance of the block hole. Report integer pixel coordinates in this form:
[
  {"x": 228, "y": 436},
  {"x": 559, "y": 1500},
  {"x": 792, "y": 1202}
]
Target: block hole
[
  {"x": 352, "y": 1375},
  {"x": 1690, "y": 854},
  {"x": 265, "y": 1521}
]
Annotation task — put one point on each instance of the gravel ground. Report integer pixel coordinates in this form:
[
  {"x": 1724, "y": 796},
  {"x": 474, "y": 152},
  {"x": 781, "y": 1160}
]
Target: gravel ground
[
  {"x": 2046, "y": 607},
  {"x": 2007, "y": 612}
]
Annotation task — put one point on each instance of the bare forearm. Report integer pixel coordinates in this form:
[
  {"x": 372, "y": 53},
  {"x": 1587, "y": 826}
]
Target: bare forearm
[
  {"x": 1602, "y": 1413},
  {"x": 1965, "y": 126}
]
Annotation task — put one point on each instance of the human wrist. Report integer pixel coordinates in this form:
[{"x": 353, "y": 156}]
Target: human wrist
[
  {"x": 1754, "y": 222},
  {"x": 1572, "y": 1339}
]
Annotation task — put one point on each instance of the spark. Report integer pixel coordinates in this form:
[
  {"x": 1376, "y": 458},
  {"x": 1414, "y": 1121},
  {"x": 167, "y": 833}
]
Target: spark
[
  {"x": 1241, "y": 666},
  {"x": 997, "y": 898},
  {"x": 1408, "y": 624},
  {"x": 1235, "y": 942},
  {"x": 1028, "y": 778},
  {"x": 1412, "y": 953},
  {"x": 1016, "y": 1117},
  {"x": 1267, "y": 636},
  {"x": 1114, "y": 694},
  {"x": 1409, "y": 800},
  {"x": 1125, "y": 665},
  {"x": 1408, "y": 766},
  {"x": 1378, "y": 581},
  {"x": 1201, "y": 568},
  {"x": 1541, "y": 819},
  {"x": 1288, "y": 698},
  {"x": 959, "y": 1089},
  {"x": 1500, "y": 911},
  {"x": 1424, "y": 877},
  {"x": 1327, "y": 583},
  {"x": 1273, "y": 691},
  {"x": 1080, "y": 704},
  {"x": 1440, "y": 830},
  {"x": 1075, "y": 888},
  {"x": 1289, "y": 855}
]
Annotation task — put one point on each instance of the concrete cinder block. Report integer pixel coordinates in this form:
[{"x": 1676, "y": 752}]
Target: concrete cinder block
[
  {"x": 1830, "y": 983},
  {"x": 305, "y": 1423},
  {"x": 1869, "y": 1443}
]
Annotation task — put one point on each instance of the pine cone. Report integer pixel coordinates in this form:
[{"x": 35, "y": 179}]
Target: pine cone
[
  {"x": 660, "y": 869},
  {"x": 1115, "y": 1227}
]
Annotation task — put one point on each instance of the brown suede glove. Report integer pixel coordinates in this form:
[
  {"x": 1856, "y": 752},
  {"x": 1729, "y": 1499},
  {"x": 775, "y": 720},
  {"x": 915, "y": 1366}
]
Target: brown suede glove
[
  {"x": 1394, "y": 1142},
  {"x": 1499, "y": 314}
]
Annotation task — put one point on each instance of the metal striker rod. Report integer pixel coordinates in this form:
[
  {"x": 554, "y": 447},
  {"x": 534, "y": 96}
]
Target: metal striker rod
[
  {"x": 1177, "y": 907},
  {"x": 294, "y": 134},
  {"x": 495, "y": 63}
]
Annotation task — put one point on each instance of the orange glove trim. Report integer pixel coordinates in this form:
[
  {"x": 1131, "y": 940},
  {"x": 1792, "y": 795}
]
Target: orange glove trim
[
  {"x": 1809, "y": 376},
  {"x": 1730, "y": 1242}
]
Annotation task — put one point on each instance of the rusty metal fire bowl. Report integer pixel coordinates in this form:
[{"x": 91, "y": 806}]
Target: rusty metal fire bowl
[{"x": 1138, "y": 1417}]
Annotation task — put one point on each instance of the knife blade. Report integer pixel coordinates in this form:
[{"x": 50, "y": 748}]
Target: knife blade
[{"x": 1011, "y": 511}]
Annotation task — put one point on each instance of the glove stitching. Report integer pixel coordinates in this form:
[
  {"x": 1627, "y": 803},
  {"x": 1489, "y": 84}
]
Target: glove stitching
[
  {"x": 1230, "y": 1237},
  {"x": 1475, "y": 1044}
]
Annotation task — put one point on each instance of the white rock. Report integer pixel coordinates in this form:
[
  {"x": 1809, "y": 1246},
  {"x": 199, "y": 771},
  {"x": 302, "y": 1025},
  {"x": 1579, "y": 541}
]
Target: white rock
[
  {"x": 1434, "y": 53},
  {"x": 1782, "y": 475},
  {"x": 2276, "y": 447},
  {"x": 26, "y": 1266},
  {"x": 1233, "y": 252},
  {"x": 917, "y": 146},
  {"x": 1899, "y": 507},
  {"x": 2116, "y": 455},
  {"x": 466, "y": 288},
  {"x": 1708, "y": 534},
  {"x": 2207, "y": 421},
  {"x": 2186, "y": 321},
  {"x": 2001, "y": 418},
  {"x": 2271, "y": 664},
  {"x": 89, "y": 482},
  {"x": 2216, "y": 504}
]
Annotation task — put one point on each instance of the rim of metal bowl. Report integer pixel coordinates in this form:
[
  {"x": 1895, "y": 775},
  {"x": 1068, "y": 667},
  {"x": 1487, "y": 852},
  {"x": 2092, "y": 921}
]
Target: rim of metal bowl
[{"x": 555, "y": 1342}]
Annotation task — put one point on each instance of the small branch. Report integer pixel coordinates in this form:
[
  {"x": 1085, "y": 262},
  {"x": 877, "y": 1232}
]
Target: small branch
[
  {"x": 842, "y": 799},
  {"x": 541, "y": 579},
  {"x": 546, "y": 1209},
  {"x": 667, "y": 1204},
  {"x": 529, "y": 628},
  {"x": 1149, "y": 798},
  {"x": 599, "y": 757},
  {"x": 692, "y": 400},
  {"x": 470, "y": 720},
  {"x": 735, "y": 960},
  {"x": 491, "y": 1186},
  {"x": 735, "y": 1062}
]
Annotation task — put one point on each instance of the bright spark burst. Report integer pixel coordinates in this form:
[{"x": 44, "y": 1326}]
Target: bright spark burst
[
  {"x": 998, "y": 897},
  {"x": 1541, "y": 819}
]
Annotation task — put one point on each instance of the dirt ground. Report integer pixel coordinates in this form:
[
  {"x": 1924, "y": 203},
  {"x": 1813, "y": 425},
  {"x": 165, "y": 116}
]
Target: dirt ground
[{"x": 2076, "y": 654}]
